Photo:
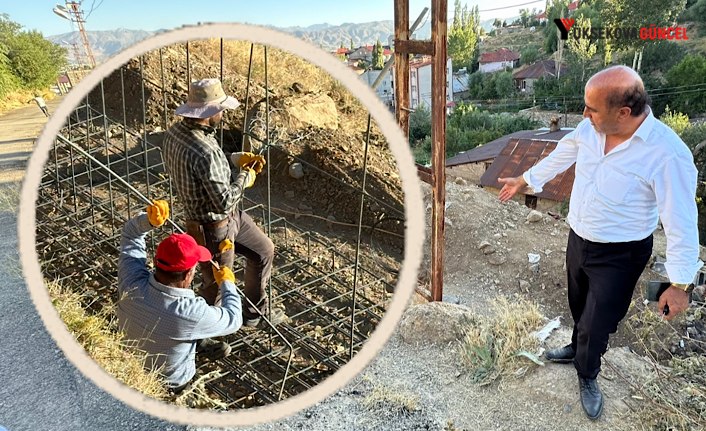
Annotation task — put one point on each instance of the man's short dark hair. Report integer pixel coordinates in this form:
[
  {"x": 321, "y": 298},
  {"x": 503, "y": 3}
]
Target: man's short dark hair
[
  {"x": 170, "y": 277},
  {"x": 635, "y": 98}
]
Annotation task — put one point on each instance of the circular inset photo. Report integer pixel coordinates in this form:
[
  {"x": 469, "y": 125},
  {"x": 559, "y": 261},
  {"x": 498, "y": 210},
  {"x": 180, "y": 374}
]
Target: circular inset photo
[{"x": 220, "y": 223}]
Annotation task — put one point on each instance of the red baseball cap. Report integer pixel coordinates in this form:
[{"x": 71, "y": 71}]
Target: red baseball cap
[{"x": 179, "y": 252}]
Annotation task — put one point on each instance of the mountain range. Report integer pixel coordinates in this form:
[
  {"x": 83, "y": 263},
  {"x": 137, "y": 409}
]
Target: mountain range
[{"x": 108, "y": 43}]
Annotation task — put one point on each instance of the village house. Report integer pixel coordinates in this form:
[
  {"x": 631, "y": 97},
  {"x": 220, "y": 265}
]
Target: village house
[
  {"x": 506, "y": 156},
  {"x": 512, "y": 28},
  {"x": 420, "y": 82},
  {"x": 525, "y": 78},
  {"x": 499, "y": 60},
  {"x": 573, "y": 6},
  {"x": 365, "y": 53},
  {"x": 517, "y": 157},
  {"x": 384, "y": 90}
]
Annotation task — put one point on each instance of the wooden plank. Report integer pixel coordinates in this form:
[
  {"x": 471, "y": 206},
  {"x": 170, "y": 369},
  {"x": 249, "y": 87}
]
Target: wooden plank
[
  {"x": 402, "y": 66},
  {"x": 425, "y": 174},
  {"x": 438, "y": 139},
  {"x": 415, "y": 47}
]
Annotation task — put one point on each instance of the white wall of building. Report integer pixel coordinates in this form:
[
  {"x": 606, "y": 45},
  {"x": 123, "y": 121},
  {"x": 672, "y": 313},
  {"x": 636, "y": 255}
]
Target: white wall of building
[
  {"x": 384, "y": 90},
  {"x": 420, "y": 85},
  {"x": 494, "y": 66}
]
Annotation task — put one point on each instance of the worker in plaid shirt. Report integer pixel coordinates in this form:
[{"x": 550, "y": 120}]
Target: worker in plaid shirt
[{"x": 201, "y": 175}]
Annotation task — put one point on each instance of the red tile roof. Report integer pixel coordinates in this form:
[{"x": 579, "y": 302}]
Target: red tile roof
[
  {"x": 451, "y": 104},
  {"x": 63, "y": 79},
  {"x": 342, "y": 51},
  {"x": 384, "y": 50},
  {"x": 574, "y": 5},
  {"x": 503, "y": 54},
  {"x": 542, "y": 15},
  {"x": 521, "y": 154}
]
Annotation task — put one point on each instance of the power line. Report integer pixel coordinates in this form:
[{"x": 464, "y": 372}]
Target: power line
[
  {"x": 92, "y": 8},
  {"x": 510, "y": 7}
]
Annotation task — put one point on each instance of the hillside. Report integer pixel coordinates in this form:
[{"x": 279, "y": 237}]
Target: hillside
[{"x": 108, "y": 43}]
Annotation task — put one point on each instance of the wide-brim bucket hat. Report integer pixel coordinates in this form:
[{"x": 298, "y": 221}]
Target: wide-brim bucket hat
[{"x": 206, "y": 99}]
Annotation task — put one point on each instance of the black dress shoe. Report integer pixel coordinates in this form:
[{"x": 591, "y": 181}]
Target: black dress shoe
[
  {"x": 563, "y": 355},
  {"x": 591, "y": 398}
]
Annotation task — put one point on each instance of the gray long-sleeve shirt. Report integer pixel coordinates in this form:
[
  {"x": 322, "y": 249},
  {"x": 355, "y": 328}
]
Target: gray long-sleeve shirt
[{"x": 167, "y": 321}]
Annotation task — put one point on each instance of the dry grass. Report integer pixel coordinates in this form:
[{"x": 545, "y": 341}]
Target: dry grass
[
  {"x": 18, "y": 99},
  {"x": 504, "y": 344},
  {"x": 675, "y": 394},
  {"x": 104, "y": 346},
  {"x": 389, "y": 404}
]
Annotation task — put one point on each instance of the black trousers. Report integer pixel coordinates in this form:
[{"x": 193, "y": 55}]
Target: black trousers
[{"x": 601, "y": 281}]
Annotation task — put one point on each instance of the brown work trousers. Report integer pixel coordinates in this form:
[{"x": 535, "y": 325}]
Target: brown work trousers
[{"x": 249, "y": 241}]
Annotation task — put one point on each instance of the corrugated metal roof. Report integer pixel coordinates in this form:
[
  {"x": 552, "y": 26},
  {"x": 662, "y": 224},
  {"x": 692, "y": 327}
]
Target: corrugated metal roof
[
  {"x": 521, "y": 154},
  {"x": 491, "y": 149},
  {"x": 460, "y": 83},
  {"x": 545, "y": 68}
]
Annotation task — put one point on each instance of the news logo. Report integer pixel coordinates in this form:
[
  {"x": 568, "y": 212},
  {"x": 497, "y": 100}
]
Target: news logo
[{"x": 564, "y": 25}]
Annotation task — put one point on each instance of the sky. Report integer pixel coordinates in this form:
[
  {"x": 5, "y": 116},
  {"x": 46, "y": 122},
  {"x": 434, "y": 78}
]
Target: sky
[{"x": 168, "y": 14}]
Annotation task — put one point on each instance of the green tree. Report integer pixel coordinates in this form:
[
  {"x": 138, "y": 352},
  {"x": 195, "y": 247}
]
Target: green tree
[
  {"x": 529, "y": 55},
  {"x": 497, "y": 23},
  {"x": 638, "y": 14},
  {"x": 352, "y": 45},
  {"x": 584, "y": 49},
  {"x": 463, "y": 36},
  {"x": 524, "y": 17},
  {"x": 378, "y": 56},
  {"x": 342, "y": 45},
  {"x": 661, "y": 56},
  {"x": 675, "y": 120},
  {"x": 504, "y": 85},
  {"x": 32, "y": 60},
  {"x": 419, "y": 124},
  {"x": 550, "y": 31},
  {"x": 690, "y": 71}
]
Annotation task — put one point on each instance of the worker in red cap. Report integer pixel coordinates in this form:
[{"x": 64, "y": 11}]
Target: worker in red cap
[{"x": 159, "y": 312}]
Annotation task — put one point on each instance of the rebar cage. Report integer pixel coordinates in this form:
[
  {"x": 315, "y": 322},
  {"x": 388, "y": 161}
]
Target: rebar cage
[{"x": 100, "y": 172}]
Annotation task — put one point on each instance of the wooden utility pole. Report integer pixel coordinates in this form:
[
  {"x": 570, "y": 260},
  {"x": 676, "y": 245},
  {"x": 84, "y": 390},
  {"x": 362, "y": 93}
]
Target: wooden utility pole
[{"x": 437, "y": 49}]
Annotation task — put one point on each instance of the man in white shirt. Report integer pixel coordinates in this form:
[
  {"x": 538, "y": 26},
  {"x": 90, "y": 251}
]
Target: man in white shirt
[
  {"x": 631, "y": 170},
  {"x": 40, "y": 102}
]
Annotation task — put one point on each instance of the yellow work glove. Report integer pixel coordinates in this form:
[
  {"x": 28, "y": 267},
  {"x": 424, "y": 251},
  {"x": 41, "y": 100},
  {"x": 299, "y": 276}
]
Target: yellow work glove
[
  {"x": 225, "y": 245},
  {"x": 249, "y": 160},
  {"x": 158, "y": 213},
  {"x": 223, "y": 274},
  {"x": 250, "y": 177}
]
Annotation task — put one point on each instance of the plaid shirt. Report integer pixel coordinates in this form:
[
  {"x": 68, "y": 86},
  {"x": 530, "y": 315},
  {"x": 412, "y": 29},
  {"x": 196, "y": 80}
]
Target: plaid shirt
[
  {"x": 200, "y": 172},
  {"x": 166, "y": 321}
]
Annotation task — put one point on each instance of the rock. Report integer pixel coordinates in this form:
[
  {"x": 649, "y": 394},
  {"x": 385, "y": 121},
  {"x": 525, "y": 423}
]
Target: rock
[
  {"x": 567, "y": 408},
  {"x": 483, "y": 245},
  {"x": 547, "y": 252},
  {"x": 534, "y": 216},
  {"x": 524, "y": 285},
  {"x": 317, "y": 110},
  {"x": 289, "y": 194},
  {"x": 304, "y": 207},
  {"x": 436, "y": 322},
  {"x": 699, "y": 293},
  {"x": 330, "y": 219},
  {"x": 489, "y": 250},
  {"x": 563, "y": 249},
  {"x": 296, "y": 170},
  {"x": 497, "y": 235},
  {"x": 510, "y": 225},
  {"x": 451, "y": 299},
  {"x": 461, "y": 182},
  {"x": 447, "y": 221},
  {"x": 535, "y": 268},
  {"x": 496, "y": 259}
]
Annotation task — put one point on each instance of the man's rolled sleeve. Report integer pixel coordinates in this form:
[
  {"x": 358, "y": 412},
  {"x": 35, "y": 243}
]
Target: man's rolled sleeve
[
  {"x": 674, "y": 184},
  {"x": 223, "y": 320},
  {"x": 133, "y": 252},
  {"x": 559, "y": 160}
]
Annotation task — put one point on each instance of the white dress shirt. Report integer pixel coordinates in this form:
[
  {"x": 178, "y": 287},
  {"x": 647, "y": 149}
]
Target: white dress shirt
[{"x": 620, "y": 196}]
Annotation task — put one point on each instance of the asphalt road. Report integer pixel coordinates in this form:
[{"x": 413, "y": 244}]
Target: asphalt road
[{"x": 39, "y": 388}]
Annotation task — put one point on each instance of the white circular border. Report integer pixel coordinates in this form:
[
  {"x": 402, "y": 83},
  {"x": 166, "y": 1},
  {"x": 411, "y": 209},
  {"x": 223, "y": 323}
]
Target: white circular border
[{"x": 414, "y": 231}]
